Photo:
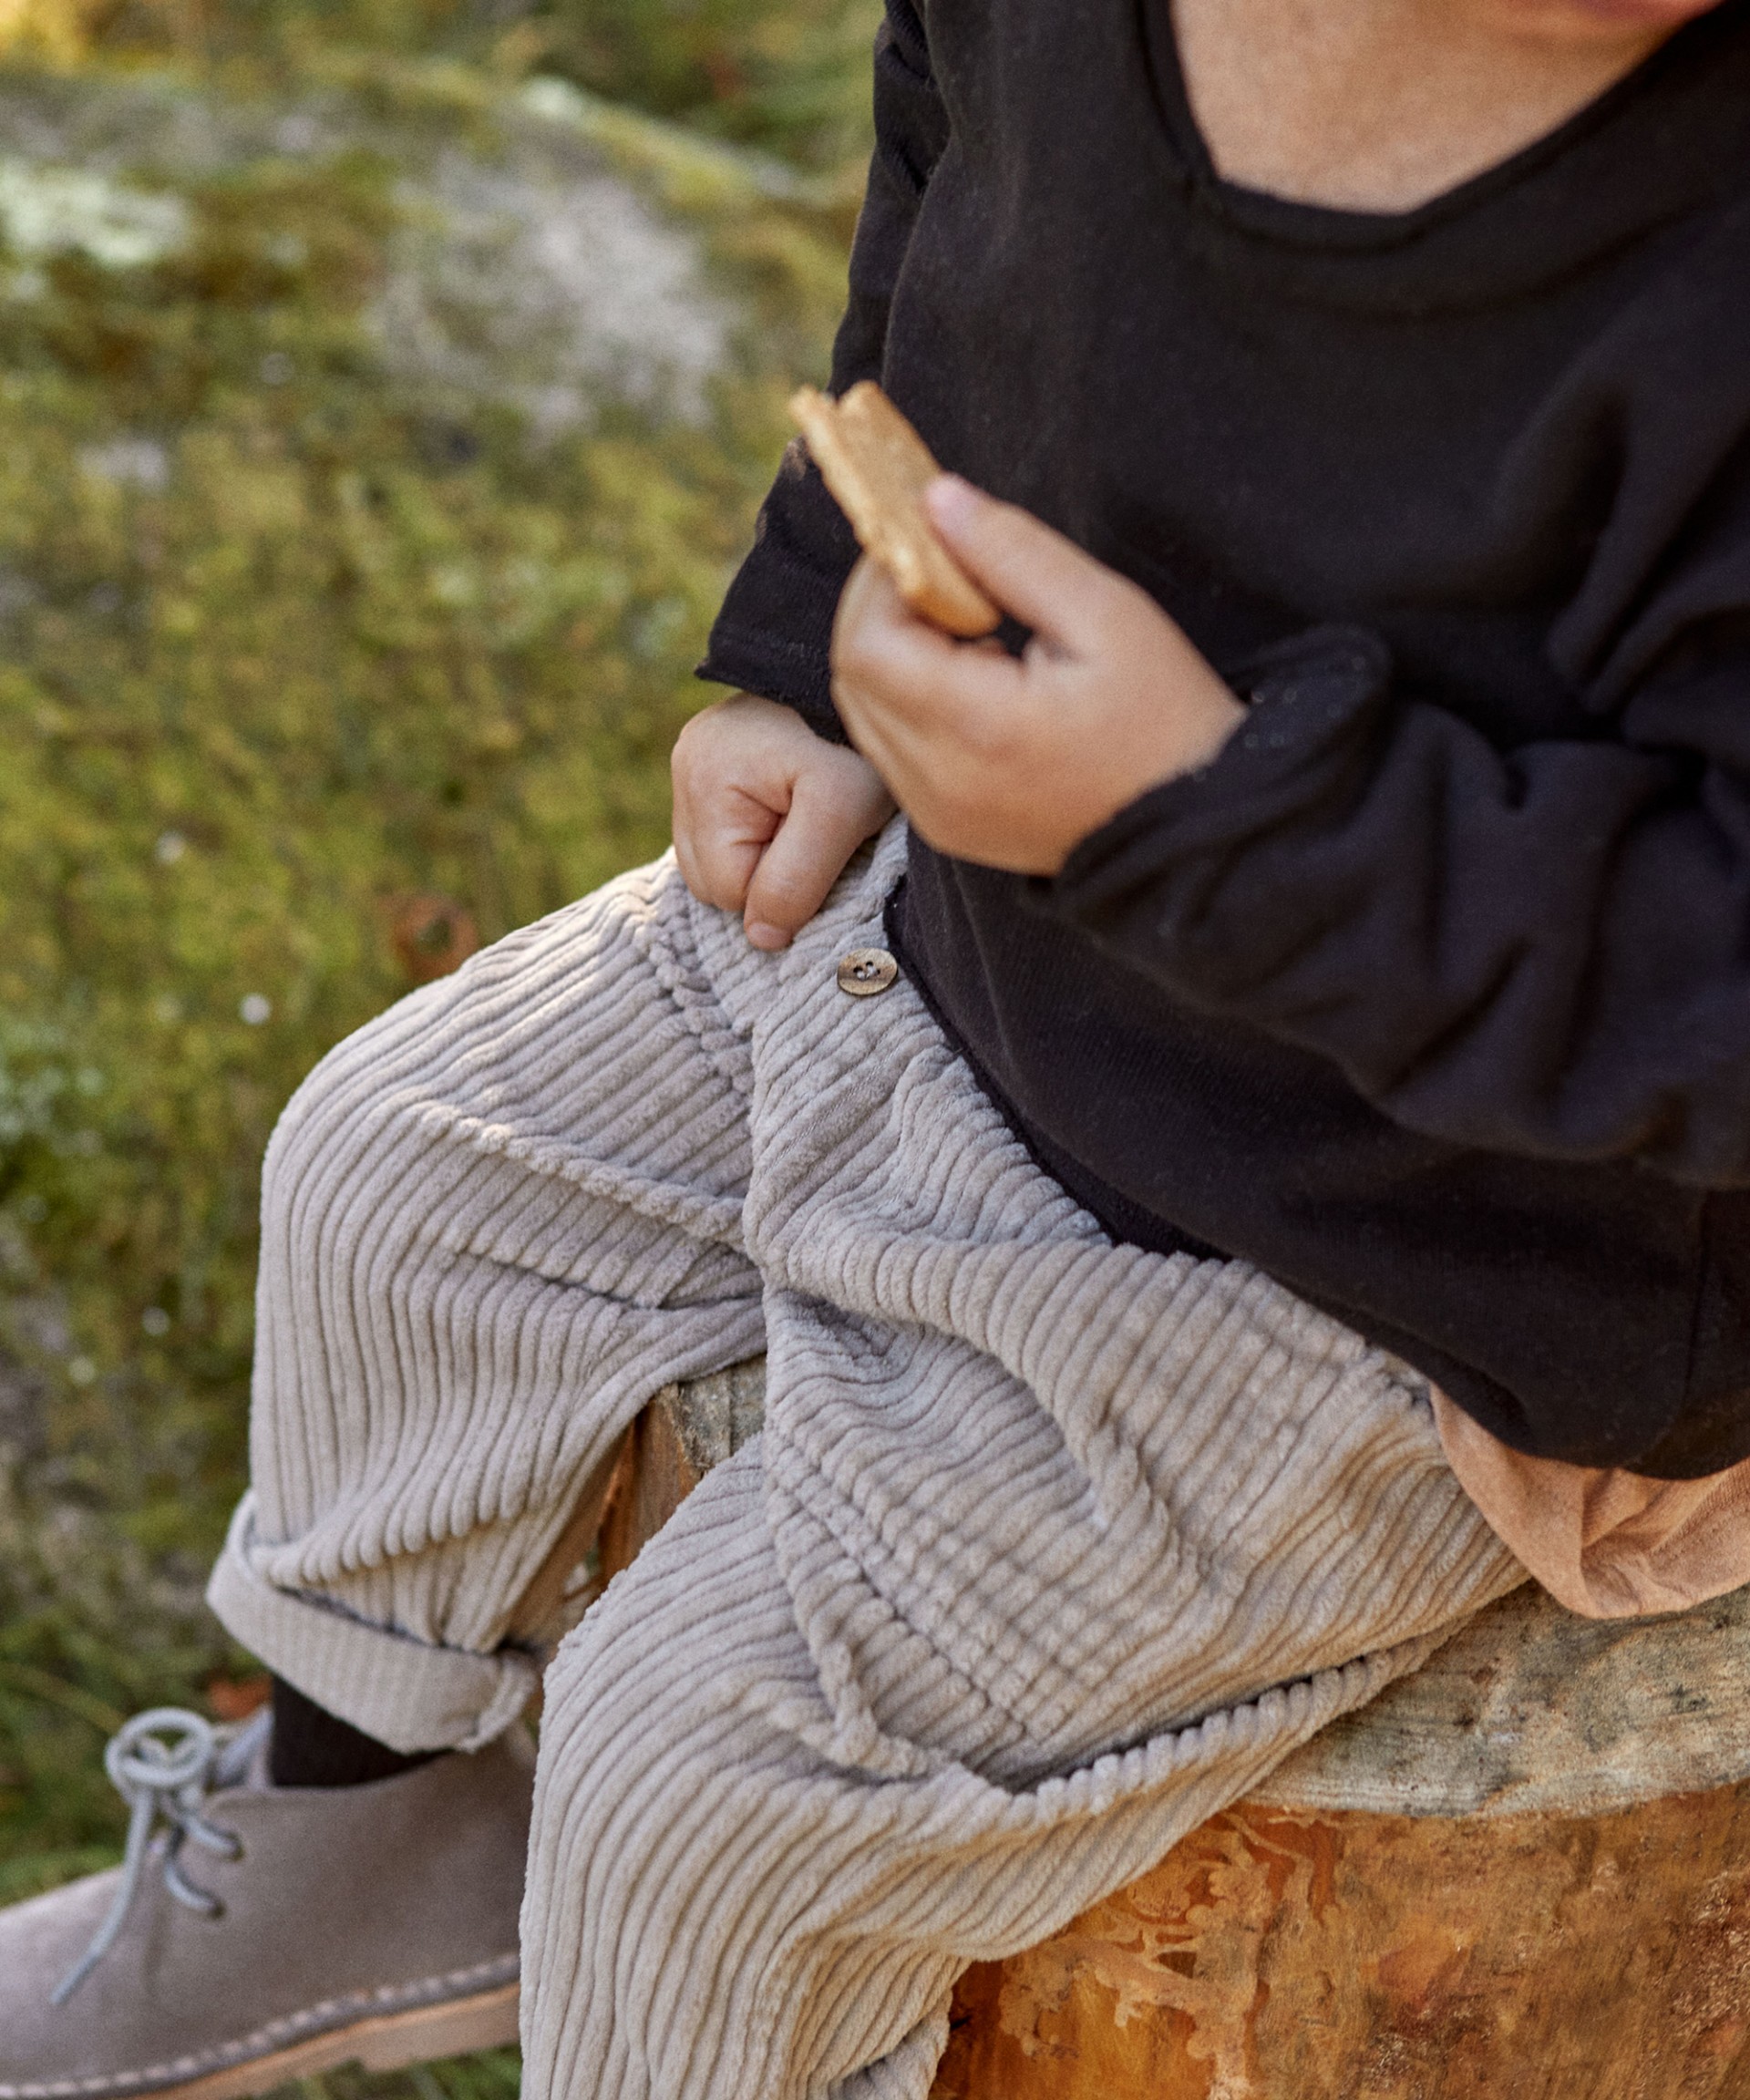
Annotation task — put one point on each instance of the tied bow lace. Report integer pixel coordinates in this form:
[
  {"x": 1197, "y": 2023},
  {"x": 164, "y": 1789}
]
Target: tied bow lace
[{"x": 162, "y": 1764}]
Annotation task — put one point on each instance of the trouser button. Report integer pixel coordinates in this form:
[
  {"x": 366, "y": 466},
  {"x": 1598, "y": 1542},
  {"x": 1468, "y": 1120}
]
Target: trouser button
[{"x": 867, "y": 971}]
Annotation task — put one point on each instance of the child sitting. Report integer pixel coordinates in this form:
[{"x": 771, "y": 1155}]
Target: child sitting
[{"x": 1312, "y": 1081}]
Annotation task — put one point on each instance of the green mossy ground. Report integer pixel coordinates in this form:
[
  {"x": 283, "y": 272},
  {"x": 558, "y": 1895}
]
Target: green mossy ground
[{"x": 290, "y": 634}]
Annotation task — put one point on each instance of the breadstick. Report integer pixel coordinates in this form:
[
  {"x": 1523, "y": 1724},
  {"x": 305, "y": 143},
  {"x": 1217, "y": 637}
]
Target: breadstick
[{"x": 878, "y": 468}]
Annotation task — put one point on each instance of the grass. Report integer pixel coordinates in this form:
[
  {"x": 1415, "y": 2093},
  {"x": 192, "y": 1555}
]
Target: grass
[
  {"x": 495, "y": 2074},
  {"x": 311, "y": 669}
]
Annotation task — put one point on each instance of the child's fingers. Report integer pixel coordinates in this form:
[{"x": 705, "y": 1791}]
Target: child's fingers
[
  {"x": 870, "y": 610},
  {"x": 719, "y": 838},
  {"x": 1045, "y": 581},
  {"x": 884, "y": 656},
  {"x": 767, "y": 813},
  {"x": 901, "y": 751},
  {"x": 805, "y": 858}
]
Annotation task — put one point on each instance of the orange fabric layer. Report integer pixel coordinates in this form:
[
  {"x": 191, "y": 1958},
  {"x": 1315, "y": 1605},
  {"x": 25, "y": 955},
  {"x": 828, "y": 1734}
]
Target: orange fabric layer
[{"x": 1606, "y": 1543}]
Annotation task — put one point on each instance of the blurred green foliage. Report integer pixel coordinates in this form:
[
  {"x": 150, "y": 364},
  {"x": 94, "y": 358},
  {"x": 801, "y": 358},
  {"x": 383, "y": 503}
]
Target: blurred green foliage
[
  {"x": 289, "y": 643},
  {"x": 789, "y": 76}
]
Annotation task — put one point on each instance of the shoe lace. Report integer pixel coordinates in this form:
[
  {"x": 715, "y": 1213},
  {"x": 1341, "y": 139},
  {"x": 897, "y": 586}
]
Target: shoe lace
[{"x": 162, "y": 1764}]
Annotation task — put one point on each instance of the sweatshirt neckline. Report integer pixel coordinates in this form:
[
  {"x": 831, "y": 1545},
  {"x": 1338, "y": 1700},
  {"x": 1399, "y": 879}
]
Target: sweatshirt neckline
[{"x": 1340, "y": 231}]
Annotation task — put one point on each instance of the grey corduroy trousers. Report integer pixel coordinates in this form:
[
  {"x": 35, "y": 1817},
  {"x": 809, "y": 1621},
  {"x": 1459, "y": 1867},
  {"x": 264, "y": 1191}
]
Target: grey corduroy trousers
[{"x": 1050, "y": 1548}]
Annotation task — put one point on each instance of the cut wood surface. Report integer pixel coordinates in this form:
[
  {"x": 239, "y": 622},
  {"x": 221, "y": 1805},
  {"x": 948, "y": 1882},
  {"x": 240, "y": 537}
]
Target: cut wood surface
[
  {"x": 1531, "y": 1708},
  {"x": 1522, "y": 1874},
  {"x": 1365, "y": 1957}
]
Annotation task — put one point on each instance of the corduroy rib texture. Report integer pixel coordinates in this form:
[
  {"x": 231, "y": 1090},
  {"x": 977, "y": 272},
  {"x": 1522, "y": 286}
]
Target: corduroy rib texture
[{"x": 1050, "y": 1548}]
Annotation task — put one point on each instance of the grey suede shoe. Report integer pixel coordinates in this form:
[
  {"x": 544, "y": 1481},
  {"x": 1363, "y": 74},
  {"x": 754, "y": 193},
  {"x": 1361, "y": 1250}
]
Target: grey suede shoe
[{"x": 269, "y": 1934}]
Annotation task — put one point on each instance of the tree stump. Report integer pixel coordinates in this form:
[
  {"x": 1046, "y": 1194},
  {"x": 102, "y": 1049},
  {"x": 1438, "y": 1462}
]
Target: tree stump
[
  {"x": 684, "y": 1432},
  {"x": 1521, "y": 1874}
]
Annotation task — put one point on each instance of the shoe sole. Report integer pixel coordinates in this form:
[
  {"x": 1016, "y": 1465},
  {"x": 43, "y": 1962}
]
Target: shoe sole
[{"x": 383, "y": 2041}]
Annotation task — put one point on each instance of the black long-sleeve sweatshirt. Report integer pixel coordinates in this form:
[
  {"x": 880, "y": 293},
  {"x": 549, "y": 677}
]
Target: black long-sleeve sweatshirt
[{"x": 1431, "y": 995}]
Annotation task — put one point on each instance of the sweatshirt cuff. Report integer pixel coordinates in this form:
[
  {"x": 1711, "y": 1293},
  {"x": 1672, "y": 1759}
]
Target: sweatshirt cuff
[
  {"x": 789, "y": 671},
  {"x": 773, "y": 634},
  {"x": 1314, "y": 703}
]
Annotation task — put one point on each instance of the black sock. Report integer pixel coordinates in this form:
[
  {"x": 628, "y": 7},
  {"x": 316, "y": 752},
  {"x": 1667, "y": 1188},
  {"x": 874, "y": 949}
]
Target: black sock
[{"x": 312, "y": 1747}]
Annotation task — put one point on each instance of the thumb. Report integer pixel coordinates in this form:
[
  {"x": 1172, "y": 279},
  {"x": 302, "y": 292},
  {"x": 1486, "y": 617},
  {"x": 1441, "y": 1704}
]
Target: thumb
[
  {"x": 1043, "y": 579},
  {"x": 805, "y": 858}
]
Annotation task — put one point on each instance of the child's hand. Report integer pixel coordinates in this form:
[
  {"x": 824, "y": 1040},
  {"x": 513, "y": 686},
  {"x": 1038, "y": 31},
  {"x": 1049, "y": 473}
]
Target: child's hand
[
  {"x": 1012, "y": 763},
  {"x": 766, "y": 814}
]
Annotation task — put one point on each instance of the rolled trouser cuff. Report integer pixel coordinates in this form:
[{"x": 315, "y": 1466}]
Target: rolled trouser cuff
[{"x": 403, "y": 1693}]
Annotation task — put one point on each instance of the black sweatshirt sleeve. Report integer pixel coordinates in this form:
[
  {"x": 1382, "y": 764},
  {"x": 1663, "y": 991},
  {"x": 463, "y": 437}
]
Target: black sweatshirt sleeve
[
  {"x": 1540, "y": 952},
  {"x": 773, "y": 631}
]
